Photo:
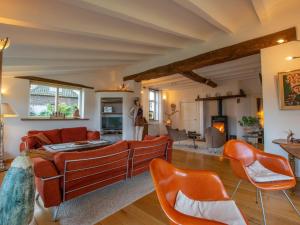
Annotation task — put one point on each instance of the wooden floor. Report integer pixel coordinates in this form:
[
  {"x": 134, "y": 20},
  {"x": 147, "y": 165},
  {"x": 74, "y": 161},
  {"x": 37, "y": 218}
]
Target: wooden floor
[{"x": 147, "y": 211}]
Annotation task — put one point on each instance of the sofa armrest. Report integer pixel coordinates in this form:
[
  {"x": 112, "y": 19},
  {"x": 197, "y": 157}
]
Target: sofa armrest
[
  {"x": 93, "y": 135},
  {"x": 44, "y": 168},
  {"x": 47, "y": 182},
  {"x": 31, "y": 143}
]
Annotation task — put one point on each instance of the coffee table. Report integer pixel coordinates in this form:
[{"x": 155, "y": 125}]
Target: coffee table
[{"x": 72, "y": 146}]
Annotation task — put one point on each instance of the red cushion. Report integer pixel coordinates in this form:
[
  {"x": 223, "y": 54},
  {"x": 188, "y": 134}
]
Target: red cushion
[
  {"x": 73, "y": 134},
  {"x": 93, "y": 135},
  {"x": 32, "y": 142},
  {"x": 42, "y": 139},
  {"x": 52, "y": 135}
]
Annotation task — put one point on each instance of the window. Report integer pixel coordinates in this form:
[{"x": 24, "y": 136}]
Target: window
[
  {"x": 46, "y": 99},
  {"x": 153, "y": 105}
]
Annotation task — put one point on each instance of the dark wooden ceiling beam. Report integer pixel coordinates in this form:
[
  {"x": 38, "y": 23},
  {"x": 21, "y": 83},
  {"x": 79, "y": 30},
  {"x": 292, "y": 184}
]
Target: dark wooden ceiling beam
[
  {"x": 51, "y": 81},
  {"x": 195, "y": 77},
  {"x": 243, "y": 49}
]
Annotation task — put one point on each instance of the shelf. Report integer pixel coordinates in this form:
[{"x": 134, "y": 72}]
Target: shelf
[
  {"x": 240, "y": 95},
  {"x": 103, "y": 113},
  {"x": 49, "y": 119},
  {"x": 129, "y": 91},
  {"x": 51, "y": 81}
]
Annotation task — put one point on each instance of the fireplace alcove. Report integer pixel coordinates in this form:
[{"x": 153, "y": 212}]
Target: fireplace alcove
[{"x": 220, "y": 121}]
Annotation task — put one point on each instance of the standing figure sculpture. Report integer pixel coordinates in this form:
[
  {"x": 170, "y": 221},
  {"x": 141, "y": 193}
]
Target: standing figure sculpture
[
  {"x": 136, "y": 113},
  {"x": 168, "y": 121}
]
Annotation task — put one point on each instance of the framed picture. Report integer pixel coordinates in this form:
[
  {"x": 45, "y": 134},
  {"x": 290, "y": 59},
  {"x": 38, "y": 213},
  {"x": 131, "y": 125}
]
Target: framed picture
[{"x": 289, "y": 89}]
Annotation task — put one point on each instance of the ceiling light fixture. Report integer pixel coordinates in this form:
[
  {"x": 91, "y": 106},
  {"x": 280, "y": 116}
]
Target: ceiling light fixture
[
  {"x": 280, "y": 41},
  {"x": 290, "y": 58}
]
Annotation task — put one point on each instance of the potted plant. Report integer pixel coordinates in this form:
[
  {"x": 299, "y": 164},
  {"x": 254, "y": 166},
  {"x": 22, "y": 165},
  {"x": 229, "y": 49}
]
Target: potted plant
[{"x": 250, "y": 124}]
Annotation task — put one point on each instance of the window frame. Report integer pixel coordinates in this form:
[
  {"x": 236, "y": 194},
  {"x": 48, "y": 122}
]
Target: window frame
[
  {"x": 57, "y": 86},
  {"x": 156, "y": 104}
]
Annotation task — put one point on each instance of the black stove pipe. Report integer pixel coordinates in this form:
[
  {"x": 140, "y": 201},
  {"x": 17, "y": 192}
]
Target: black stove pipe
[{"x": 220, "y": 106}]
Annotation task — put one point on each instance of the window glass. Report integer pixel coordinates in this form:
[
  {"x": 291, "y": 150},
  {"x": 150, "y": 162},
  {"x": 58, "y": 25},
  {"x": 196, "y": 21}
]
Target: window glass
[
  {"x": 42, "y": 100},
  {"x": 68, "y": 101},
  {"x": 153, "y": 105},
  {"x": 47, "y": 99}
]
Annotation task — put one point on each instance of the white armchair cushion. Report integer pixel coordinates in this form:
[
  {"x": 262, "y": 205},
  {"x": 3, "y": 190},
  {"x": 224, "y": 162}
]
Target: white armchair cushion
[
  {"x": 261, "y": 174},
  {"x": 224, "y": 211}
]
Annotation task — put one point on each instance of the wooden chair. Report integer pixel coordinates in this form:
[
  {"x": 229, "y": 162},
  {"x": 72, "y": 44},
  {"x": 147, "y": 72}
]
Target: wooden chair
[
  {"x": 242, "y": 154},
  {"x": 198, "y": 185}
]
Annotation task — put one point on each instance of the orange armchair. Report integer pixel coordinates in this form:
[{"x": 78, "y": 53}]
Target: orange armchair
[
  {"x": 242, "y": 154},
  {"x": 198, "y": 185}
]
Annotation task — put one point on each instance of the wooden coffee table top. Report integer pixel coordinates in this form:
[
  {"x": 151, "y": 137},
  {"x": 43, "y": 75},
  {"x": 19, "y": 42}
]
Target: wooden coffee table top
[{"x": 289, "y": 147}]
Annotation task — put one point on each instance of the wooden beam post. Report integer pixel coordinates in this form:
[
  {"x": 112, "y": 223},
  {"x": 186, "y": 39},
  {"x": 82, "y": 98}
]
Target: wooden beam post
[
  {"x": 195, "y": 77},
  {"x": 240, "y": 50}
]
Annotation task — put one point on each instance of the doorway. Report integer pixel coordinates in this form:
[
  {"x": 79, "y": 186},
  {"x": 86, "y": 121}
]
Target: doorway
[{"x": 190, "y": 116}]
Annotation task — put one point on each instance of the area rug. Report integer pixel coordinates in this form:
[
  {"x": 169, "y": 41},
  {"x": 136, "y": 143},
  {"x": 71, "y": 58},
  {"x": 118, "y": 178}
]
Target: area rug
[
  {"x": 201, "y": 148},
  {"x": 96, "y": 206}
]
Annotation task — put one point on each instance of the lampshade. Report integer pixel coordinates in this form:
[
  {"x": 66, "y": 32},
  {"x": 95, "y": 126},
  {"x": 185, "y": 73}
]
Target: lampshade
[
  {"x": 5, "y": 42},
  {"x": 7, "y": 111}
]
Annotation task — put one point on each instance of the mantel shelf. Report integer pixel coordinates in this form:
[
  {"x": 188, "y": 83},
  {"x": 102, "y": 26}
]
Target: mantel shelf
[
  {"x": 216, "y": 98},
  {"x": 130, "y": 91},
  {"x": 50, "y": 119}
]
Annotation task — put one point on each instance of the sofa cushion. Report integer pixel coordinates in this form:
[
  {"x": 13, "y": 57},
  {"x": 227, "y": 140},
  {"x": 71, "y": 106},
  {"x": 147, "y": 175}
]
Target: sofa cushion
[
  {"x": 145, "y": 151},
  {"x": 32, "y": 142},
  {"x": 224, "y": 211},
  {"x": 42, "y": 139},
  {"x": 93, "y": 135},
  {"x": 61, "y": 157},
  {"x": 261, "y": 174},
  {"x": 73, "y": 134},
  {"x": 52, "y": 135},
  {"x": 97, "y": 166}
]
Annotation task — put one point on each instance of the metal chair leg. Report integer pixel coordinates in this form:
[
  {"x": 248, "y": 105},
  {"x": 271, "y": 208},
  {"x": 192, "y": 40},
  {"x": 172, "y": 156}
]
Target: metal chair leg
[
  {"x": 236, "y": 188},
  {"x": 262, "y": 207},
  {"x": 291, "y": 202},
  {"x": 54, "y": 219},
  {"x": 37, "y": 197}
]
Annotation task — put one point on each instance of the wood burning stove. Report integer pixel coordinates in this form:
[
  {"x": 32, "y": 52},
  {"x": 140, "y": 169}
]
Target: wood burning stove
[{"x": 220, "y": 122}]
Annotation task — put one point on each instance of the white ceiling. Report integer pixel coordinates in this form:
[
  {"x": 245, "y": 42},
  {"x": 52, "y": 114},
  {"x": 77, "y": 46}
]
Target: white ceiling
[
  {"x": 67, "y": 36},
  {"x": 240, "y": 69}
]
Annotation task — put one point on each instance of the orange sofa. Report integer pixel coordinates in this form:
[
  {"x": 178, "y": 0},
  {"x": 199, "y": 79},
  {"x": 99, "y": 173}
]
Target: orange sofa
[
  {"x": 73, "y": 174},
  {"x": 57, "y": 136}
]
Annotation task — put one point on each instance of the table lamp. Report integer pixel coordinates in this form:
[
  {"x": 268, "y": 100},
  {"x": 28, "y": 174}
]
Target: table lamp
[
  {"x": 4, "y": 43},
  {"x": 6, "y": 112}
]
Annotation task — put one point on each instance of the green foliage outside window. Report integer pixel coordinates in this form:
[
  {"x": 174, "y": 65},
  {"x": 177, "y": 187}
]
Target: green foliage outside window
[{"x": 68, "y": 110}]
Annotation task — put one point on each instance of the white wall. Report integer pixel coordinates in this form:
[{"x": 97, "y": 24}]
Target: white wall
[
  {"x": 231, "y": 108},
  {"x": 278, "y": 122},
  {"x": 17, "y": 94}
]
